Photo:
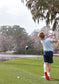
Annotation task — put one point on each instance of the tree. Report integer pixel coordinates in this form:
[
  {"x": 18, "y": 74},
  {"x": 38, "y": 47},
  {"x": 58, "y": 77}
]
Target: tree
[
  {"x": 17, "y": 38},
  {"x": 44, "y": 9},
  {"x": 36, "y": 42},
  {"x": 4, "y": 42},
  {"x": 7, "y": 33},
  {"x": 20, "y": 37}
]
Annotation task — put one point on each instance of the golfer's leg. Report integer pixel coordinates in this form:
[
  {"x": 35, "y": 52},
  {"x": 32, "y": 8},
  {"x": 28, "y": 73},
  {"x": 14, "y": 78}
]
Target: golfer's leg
[
  {"x": 49, "y": 68},
  {"x": 45, "y": 66},
  {"x": 45, "y": 70}
]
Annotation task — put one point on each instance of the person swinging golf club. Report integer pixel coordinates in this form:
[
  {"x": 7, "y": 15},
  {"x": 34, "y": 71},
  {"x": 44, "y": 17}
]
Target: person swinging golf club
[{"x": 48, "y": 52}]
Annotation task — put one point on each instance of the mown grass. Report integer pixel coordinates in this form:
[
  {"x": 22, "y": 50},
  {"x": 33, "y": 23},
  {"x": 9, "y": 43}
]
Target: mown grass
[{"x": 29, "y": 70}]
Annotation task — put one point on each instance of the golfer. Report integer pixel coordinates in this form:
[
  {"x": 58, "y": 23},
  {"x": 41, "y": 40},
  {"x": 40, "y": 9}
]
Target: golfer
[{"x": 48, "y": 52}]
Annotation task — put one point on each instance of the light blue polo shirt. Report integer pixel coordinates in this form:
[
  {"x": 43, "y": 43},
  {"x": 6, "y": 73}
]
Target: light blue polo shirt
[{"x": 47, "y": 44}]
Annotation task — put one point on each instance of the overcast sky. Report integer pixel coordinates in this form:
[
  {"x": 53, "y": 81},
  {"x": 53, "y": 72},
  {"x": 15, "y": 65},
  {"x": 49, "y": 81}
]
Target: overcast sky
[{"x": 13, "y": 12}]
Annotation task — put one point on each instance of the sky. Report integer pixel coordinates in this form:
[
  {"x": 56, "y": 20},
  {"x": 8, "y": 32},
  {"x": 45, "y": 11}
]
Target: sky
[{"x": 14, "y": 12}]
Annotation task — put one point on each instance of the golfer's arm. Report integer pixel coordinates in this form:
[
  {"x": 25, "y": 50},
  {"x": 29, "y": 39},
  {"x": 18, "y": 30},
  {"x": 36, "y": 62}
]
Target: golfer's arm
[
  {"x": 50, "y": 35},
  {"x": 55, "y": 39}
]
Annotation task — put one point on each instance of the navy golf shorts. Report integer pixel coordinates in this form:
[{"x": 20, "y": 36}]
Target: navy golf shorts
[{"x": 48, "y": 56}]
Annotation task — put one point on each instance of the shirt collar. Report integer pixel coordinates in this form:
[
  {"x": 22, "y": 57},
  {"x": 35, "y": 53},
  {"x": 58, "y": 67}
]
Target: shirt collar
[{"x": 43, "y": 39}]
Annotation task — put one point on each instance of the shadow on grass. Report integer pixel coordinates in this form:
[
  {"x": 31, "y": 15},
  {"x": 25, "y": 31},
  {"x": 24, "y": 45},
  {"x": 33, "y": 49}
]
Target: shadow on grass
[{"x": 52, "y": 79}]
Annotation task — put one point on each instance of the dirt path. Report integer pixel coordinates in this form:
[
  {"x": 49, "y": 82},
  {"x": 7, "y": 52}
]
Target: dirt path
[{"x": 5, "y": 57}]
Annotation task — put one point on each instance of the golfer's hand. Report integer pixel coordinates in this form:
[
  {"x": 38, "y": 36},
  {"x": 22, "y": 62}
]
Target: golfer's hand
[{"x": 54, "y": 34}]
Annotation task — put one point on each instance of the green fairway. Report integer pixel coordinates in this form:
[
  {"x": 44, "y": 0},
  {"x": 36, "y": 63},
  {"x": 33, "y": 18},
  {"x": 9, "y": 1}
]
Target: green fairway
[{"x": 29, "y": 70}]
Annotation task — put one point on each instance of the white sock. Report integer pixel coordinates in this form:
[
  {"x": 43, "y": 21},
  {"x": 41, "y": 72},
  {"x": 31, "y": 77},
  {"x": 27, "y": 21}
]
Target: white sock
[{"x": 48, "y": 73}]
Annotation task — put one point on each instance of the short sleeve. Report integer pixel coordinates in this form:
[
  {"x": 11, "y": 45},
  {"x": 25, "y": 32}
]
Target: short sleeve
[{"x": 51, "y": 40}]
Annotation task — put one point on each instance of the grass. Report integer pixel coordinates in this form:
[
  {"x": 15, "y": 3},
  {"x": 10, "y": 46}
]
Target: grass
[{"x": 29, "y": 70}]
